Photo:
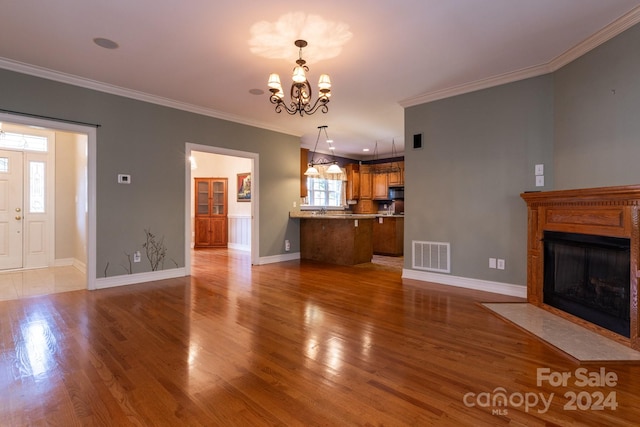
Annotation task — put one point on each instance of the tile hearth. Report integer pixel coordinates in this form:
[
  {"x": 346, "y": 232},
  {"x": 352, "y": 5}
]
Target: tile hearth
[{"x": 578, "y": 342}]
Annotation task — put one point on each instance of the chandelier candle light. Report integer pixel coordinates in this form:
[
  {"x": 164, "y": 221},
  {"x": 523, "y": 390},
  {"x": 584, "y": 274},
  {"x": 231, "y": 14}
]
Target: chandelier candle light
[{"x": 300, "y": 89}]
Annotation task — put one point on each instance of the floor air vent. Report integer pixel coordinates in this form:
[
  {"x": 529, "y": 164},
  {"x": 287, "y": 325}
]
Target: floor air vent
[{"x": 431, "y": 256}]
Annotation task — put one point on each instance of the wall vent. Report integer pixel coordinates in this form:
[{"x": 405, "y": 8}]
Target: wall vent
[{"x": 431, "y": 256}]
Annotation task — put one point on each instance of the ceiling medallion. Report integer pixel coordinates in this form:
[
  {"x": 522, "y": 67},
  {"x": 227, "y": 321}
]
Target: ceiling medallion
[{"x": 300, "y": 93}]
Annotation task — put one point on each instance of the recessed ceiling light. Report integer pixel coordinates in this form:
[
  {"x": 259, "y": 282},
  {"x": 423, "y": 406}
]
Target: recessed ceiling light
[
  {"x": 365, "y": 149},
  {"x": 332, "y": 147},
  {"x": 105, "y": 43},
  {"x": 256, "y": 91}
]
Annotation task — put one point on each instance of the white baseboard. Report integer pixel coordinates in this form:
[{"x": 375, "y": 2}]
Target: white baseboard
[
  {"x": 63, "y": 262},
  {"x": 464, "y": 282},
  {"x": 71, "y": 262},
  {"x": 279, "y": 258},
  {"x": 239, "y": 247},
  {"x": 130, "y": 279}
]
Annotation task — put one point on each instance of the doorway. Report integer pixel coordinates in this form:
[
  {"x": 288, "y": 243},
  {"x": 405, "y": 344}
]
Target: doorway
[
  {"x": 47, "y": 218},
  {"x": 220, "y": 162},
  {"x": 27, "y": 193}
]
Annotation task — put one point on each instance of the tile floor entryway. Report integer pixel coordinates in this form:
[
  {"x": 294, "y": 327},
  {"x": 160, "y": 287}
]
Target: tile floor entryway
[
  {"x": 18, "y": 284},
  {"x": 578, "y": 342}
]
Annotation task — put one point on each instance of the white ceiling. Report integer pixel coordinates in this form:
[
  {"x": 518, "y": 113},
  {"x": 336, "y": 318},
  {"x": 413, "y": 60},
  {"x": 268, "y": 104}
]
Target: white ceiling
[{"x": 381, "y": 55}]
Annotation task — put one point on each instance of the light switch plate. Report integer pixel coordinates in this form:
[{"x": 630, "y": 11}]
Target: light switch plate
[{"x": 539, "y": 170}]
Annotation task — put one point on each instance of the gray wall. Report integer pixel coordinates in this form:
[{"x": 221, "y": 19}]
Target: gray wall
[
  {"x": 463, "y": 186},
  {"x": 480, "y": 149},
  {"x": 597, "y": 129},
  {"x": 148, "y": 142}
]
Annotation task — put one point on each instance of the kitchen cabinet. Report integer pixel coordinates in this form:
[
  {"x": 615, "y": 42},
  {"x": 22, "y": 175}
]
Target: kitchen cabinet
[
  {"x": 336, "y": 240},
  {"x": 353, "y": 181},
  {"x": 388, "y": 235},
  {"x": 396, "y": 174},
  {"x": 304, "y": 163},
  {"x": 380, "y": 186},
  {"x": 210, "y": 224},
  {"x": 364, "y": 206},
  {"x": 365, "y": 182}
]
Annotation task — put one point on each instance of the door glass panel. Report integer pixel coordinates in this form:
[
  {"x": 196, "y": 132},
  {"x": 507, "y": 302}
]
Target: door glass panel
[
  {"x": 218, "y": 198},
  {"x": 202, "y": 198},
  {"x": 4, "y": 164},
  {"x": 36, "y": 187}
]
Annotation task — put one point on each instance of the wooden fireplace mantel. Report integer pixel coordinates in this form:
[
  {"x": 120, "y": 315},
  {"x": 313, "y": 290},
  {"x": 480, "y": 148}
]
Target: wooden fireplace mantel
[{"x": 604, "y": 211}]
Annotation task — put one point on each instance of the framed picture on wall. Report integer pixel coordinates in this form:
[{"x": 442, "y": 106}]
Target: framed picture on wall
[{"x": 244, "y": 187}]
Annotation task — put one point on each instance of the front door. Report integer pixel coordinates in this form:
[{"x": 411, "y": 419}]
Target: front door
[{"x": 11, "y": 209}]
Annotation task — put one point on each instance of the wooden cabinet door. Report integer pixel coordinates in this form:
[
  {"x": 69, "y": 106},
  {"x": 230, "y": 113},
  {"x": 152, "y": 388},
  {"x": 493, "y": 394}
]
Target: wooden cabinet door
[
  {"x": 396, "y": 173},
  {"x": 353, "y": 181},
  {"x": 203, "y": 197},
  {"x": 365, "y": 182},
  {"x": 304, "y": 160},
  {"x": 202, "y": 232},
  {"x": 380, "y": 186},
  {"x": 388, "y": 236},
  {"x": 219, "y": 232}
]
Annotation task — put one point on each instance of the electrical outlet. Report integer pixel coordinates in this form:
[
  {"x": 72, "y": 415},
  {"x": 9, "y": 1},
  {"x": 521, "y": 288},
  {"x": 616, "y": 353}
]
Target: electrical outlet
[
  {"x": 287, "y": 245},
  {"x": 500, "y": 264},
  {"x": 295, "y": 204},
  {"x": 492, "y": 263},
  {"x": 136, "y": 256},
  {"x": 539, "y": 180}
]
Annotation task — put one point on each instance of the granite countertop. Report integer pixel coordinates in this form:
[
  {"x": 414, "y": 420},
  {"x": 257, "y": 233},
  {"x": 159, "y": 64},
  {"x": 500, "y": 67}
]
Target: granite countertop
[{"x": 337, "y": 215}]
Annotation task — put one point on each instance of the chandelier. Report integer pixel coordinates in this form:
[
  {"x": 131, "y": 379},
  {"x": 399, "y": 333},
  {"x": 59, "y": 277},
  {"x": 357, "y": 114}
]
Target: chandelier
[
  {"x": 300, "y": 90},
  {"x": 333, "y": 168}
]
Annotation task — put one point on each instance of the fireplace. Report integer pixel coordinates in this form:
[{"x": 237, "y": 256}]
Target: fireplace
[
  {"x": 588, "y": 277},
  {"x": 582, "y": 258}
]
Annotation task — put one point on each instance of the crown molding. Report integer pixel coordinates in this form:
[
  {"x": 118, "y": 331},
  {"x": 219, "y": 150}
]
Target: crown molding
[
  {"x": 498, "y": 80},
  {"x": 607, "y": 33},
  {"x": 74, "y": 80}
]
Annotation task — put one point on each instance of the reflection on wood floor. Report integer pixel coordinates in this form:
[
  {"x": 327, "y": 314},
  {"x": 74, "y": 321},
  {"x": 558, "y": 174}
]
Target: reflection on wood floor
[{"x": 294, "y": 343}]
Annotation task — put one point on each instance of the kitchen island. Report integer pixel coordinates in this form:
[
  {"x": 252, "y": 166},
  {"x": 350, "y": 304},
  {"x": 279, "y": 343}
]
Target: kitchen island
[{"x": 345, "y": 239}]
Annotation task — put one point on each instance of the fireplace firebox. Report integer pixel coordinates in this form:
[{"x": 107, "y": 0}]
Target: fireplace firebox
[{"x": 588, "y": 276}]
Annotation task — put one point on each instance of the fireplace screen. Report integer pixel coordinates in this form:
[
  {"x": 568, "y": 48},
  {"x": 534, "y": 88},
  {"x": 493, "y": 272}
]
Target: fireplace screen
[{"x": 588, "y": 276}]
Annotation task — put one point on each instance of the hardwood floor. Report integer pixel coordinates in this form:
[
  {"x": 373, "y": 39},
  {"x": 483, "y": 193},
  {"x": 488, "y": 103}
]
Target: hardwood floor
[{"x": 289, "y": 344}]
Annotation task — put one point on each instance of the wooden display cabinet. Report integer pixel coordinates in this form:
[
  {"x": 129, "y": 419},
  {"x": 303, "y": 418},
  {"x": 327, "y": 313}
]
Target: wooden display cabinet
[{"x": 211, "y": 229}]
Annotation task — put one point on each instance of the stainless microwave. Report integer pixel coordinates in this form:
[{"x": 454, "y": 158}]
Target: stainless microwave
[{"x": 396, "y": 193}]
